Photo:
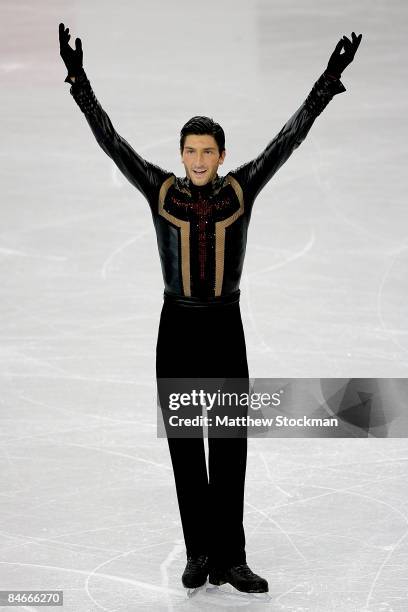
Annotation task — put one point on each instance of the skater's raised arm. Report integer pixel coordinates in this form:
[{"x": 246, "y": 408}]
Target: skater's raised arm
[
  {"x": 146, "y": 177},
  {"x": 254, "y": 175}
]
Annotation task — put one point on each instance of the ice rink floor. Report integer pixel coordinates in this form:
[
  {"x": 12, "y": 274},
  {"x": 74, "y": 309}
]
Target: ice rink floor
[{"x": 87, "y": 497}]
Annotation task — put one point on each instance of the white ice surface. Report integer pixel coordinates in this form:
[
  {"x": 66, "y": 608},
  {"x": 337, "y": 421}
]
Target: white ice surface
[{"x": 87, "y": 499}]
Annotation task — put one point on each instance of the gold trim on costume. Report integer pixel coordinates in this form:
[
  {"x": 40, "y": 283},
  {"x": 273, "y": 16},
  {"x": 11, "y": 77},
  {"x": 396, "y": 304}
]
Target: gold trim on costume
[
  {"x": 184, "y": 232},
  {"x": 220, "y": 235}
]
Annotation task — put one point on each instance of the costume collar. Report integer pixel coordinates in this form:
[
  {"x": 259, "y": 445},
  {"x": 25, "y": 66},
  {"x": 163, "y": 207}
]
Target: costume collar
[
  {"x": 210, "y": 189},
  {"x": 203, "y": 189}
]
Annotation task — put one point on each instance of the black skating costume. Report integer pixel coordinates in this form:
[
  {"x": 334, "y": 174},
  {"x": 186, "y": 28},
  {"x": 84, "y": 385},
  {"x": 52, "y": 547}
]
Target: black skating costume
[{"x": 201, "y": 236}]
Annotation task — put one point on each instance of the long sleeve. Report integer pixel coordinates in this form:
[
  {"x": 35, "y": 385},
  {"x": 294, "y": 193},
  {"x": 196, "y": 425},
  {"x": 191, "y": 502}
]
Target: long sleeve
[
  {"x": 146, "y": 177},
  {"x": 254, "y": 175}
]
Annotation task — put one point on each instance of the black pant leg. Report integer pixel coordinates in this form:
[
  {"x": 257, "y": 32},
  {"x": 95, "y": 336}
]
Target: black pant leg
[
  {"x": 228, "y": 456},
  {"x": 176, "y": 346}
]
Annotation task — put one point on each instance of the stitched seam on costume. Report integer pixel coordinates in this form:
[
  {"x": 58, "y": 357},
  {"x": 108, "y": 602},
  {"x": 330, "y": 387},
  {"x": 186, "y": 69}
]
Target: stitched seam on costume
[
  {"x": 184, "y": 233},
  {"x": 220, "y": 228}
]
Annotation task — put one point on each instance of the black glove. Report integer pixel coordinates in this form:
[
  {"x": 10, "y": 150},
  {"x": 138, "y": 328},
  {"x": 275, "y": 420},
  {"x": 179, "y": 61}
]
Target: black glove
[
  {"x": 72, "y": 58},
  {"x": 339, "y": 61}
]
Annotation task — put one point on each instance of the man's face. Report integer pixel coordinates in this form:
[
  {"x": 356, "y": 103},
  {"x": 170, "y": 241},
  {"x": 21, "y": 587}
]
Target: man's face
[{"x": 201, "y": 158}]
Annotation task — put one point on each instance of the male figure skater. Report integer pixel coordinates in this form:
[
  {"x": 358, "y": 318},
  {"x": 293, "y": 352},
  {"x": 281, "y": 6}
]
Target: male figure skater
[{"x": 201, "y": 222}]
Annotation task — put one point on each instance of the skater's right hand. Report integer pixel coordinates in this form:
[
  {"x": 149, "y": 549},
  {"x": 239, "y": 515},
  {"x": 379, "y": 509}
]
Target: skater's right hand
[{"x": 72, "y": 58}]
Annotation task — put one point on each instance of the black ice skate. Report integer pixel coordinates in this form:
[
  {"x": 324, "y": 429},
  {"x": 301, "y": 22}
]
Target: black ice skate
[
  {"x": 241, "y": 577},
  {"x": 196, "y": 572}
]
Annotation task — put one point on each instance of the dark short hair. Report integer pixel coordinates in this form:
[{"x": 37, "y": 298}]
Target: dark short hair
[{"x": 203, "y": 125}]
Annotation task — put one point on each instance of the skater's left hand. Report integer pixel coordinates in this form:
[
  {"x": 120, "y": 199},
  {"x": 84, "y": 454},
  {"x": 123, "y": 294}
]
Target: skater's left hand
[
  {"x": 72, "y": 58},
  {"x": 339, "y": 61}
]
